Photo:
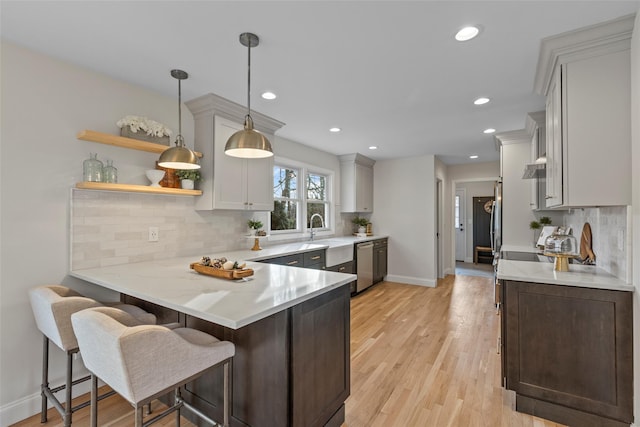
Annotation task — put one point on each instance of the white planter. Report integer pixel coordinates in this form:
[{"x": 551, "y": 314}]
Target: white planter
[{"x": 187, "y": 184}]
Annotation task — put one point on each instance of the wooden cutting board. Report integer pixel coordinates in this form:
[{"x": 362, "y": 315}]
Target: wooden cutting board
[{"x": 586, "y": 251}]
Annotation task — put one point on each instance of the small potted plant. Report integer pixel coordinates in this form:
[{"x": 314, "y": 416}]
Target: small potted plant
[
  {"x": 188, "y": 177},
  {"x": 535, "y": 226},
  {"x": 361, "y": 223},
  {"x": 254, "y": 226}
]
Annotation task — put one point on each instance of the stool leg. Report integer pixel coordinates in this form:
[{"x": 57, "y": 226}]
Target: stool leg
[
  {"x": 178, "y": 398},
  {"x": 138, "y": 412},
  {"x": 94, "y": 401},
  {"x": 68, "y": 404},
  {"x": 45, "y": 378},
  {"x": 227, "y": 392}
]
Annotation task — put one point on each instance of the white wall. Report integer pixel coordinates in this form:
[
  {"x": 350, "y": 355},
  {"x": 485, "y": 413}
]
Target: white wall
[
  {"x": 516, "y": 196},
  {"x": 45, "y": 102},
  {"x": 473, "y": 189},
  {"x": 404, "y": 192},
  {"x": 635, "y": 209}
]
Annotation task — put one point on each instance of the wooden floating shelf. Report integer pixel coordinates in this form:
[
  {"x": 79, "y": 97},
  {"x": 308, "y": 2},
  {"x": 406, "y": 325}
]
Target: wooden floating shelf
[
  {"x": 136, "y": 188},
  {"x": 121, "y": 141}
]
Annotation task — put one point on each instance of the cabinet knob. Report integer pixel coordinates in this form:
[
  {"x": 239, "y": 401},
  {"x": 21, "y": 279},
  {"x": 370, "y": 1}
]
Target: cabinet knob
[
  {"x": 315, "y": 257},
  {"x": 342, "y": 268},
  {"x": 292, "y": 262}
]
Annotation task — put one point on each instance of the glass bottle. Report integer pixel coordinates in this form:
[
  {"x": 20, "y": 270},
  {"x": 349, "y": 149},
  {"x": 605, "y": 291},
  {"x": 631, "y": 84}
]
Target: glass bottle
[
  {"x": 110, "y": 173},
  {"x": 92, "y": 169}
]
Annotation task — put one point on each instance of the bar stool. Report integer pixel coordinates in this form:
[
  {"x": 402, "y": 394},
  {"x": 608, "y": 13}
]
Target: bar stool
[
  {"x": 142, "y": 363},
  {"x": 52, "y": 308}
]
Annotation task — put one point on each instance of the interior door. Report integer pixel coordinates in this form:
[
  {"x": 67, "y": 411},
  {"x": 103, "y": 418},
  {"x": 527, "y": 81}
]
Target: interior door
[{"x": 459, "y": 213}]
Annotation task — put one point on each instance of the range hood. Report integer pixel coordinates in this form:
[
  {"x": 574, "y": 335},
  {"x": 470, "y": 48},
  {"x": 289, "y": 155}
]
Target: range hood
[{"x": 537, "y": 169}]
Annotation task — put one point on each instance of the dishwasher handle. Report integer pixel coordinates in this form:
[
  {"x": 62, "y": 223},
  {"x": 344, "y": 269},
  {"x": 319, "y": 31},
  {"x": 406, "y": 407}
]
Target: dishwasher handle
[{"x": 365, "y": 245}]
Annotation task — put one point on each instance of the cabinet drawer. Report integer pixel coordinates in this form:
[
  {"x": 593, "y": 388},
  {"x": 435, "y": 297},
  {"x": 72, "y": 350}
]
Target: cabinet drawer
[
  {"x": 295, "y": 260},
  {"x": 346, "y": 267},
  {"x": 315, "y": 257}
]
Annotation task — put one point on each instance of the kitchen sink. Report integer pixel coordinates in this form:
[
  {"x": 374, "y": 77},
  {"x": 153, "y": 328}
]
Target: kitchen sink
[{"x": 338, "y": 252}]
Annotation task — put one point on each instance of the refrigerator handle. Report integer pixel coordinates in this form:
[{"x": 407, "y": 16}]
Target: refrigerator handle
[{"x": 491, "y": 227}]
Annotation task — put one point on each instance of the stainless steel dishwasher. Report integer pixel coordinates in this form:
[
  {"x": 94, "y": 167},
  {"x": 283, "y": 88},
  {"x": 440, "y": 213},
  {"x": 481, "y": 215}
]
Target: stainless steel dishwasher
[{"x": 364, "y": 262}]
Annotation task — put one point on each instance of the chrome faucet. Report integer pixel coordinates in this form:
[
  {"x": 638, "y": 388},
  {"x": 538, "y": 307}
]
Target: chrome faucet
[{"x": 313, "y": 232}]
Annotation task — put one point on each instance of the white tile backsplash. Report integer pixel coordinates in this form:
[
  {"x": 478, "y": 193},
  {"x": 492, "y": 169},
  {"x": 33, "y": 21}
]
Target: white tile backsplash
[
  {"x": 610, "y": 230},
  {"x": 109, "y": 228}
]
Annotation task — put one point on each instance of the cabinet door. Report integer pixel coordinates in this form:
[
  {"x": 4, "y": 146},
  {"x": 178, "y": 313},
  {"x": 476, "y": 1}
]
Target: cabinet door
[
  {"x": 364, "y": 188},
  {"x": 569, "y": 347},
  {"x": 534, "y": 182},
  {"x": 320, "y": 357},
  {"x": 260, "y": 184},
  {"x": 554, "y": 142},
  {"x": 230, "y": 175}
]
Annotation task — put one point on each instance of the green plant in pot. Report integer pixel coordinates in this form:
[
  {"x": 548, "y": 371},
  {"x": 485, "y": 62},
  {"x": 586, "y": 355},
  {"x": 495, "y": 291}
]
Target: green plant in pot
[
  {"x": 254, "y": 225},
  {"x": 361, "y": 223},
  {"x": 188, "y": 177}
]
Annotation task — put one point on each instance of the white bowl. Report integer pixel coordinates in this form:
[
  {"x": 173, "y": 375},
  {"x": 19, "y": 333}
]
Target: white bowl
[{"x": 155, "y": 175}]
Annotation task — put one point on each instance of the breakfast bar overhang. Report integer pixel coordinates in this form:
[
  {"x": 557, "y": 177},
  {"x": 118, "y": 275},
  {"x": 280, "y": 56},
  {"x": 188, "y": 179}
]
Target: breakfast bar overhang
[{"x": 290, "y": 327}]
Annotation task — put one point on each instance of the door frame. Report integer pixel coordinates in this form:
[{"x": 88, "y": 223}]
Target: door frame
[{"x": 463, "y": 215}]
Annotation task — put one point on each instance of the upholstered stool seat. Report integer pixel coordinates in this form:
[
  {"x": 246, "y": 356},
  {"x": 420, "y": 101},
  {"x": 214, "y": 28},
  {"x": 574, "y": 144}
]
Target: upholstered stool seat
[
  {"x": 142, "y": 363},
  {"x": 52, "y": 308}
]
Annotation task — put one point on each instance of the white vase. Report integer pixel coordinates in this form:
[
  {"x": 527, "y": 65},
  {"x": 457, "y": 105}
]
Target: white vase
[
  {"x": 155, "y": 176},
  {"x": 362, "y": 230},
  {"x": 187, "y": 184}
]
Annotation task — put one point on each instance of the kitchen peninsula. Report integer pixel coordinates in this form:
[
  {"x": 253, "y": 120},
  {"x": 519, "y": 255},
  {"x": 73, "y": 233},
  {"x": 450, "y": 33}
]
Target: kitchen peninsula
[{"x": 290, "y": 327}]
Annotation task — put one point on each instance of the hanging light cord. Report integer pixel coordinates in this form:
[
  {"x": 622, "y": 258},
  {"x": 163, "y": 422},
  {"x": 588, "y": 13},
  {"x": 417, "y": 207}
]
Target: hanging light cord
[
  {"x": 179, "y": 138},
  {"x": 249, "y": 79}
]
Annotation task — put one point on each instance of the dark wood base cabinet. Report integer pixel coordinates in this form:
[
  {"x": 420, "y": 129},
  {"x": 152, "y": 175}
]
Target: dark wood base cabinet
[
  {"x": 568, "y": 352},
  {"x": 290, "y": 369}
]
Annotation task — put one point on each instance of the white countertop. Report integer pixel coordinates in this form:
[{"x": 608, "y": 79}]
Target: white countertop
[
  {"x": 234, "y": 304},
  {"x": 584, "y": 276},
  {"x": 292, "y": 248}
]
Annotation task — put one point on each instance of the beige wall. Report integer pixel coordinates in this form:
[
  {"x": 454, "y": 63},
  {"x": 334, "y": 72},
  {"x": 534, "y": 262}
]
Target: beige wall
[{"x": 403, "y": 208}]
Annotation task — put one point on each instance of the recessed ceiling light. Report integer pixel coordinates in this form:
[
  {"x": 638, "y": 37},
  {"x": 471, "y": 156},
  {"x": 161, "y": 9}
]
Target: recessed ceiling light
[
  {"x": 467, "y": 33},
  {"x": 475, "y": 156},
  {"x": 481, "y": 100},
  {"x": 269, "y": 95},
  {"x": 335, "y": 130},
  {"x": 490, "y": 130},
  {"x": 373, "y": 147}
]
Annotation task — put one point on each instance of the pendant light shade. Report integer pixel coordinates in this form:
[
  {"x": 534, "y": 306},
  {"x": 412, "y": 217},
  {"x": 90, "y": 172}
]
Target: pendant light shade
[
  {"x": 179, "y": 157},
  {"x": 248, "y": 143}
]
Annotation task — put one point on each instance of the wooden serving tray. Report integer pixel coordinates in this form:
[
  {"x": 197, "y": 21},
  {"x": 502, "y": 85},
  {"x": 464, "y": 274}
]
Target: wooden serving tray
[{"x": 218, "y": 272}]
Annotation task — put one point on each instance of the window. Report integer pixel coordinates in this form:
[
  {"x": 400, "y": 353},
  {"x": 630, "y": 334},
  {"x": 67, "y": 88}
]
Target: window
[
  {"x": 286, "y": 202},
  {"x": 317, "y": 202},
  {"x": 457, "y": 212},
  {"x": 299, "y": 192}
]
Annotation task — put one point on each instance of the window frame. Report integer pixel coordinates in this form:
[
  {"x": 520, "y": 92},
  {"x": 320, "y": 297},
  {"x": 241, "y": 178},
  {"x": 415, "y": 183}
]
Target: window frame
[{"x": 302, "y": 230}]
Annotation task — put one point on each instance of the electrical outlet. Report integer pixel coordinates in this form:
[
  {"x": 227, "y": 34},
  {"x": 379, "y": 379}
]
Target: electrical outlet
[{"x": 153, "y": 234}]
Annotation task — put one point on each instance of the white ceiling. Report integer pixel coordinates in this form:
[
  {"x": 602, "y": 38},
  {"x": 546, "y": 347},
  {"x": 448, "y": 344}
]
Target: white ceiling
[{"x": 389, "y": 73}]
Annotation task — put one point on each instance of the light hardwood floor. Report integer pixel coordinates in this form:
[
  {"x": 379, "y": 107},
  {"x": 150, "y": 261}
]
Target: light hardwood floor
[
  {"x": 428, "y": 357},
  {"x": 420, "y": 357}
]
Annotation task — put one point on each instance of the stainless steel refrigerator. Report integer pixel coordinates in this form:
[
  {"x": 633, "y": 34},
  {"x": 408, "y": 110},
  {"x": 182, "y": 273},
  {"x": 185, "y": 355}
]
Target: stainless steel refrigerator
[{"x": 496, "y": 219}]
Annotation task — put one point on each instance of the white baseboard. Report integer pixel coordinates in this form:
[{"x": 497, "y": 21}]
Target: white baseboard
[
  {"x": 411, "y": 280},
  {"x": 468, "y": 260},
  {"x": 449, "y": 271},
  {"x": 29, "y": 406}
]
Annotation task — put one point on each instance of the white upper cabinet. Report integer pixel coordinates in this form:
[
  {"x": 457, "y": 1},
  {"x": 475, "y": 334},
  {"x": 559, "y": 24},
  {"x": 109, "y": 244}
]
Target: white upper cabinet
[
  {"x": 536, "y": 128},
  {"x": 356, "y": 177},
  {"x": 230, "y": 182},
  {"x": 585, "y": 75}
]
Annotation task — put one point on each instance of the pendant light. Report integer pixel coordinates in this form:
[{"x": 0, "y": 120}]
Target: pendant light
[
  {"x": 248, "y": 143},
  {"x": 179, "y": 157}
]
